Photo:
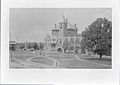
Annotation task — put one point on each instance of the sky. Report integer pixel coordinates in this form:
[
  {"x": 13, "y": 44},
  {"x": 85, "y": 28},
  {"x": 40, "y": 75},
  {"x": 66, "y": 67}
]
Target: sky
[{"x": 33, "y": 24}]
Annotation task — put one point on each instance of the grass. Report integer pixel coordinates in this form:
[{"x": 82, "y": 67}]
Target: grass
[
  {"x": 42, "y": 60},
  {"x": 107, "y": 60},
  {"x": 61, "y": 56},
  {"x": 65, "y": 60},
  {"x": 22, "y": 55},
  {"x": 75, "y": 64}
]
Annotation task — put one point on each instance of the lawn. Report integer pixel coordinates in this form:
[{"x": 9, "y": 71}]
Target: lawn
[
  {"x": 69, "y": 61},
  {"x": 22, "y": 55},
  {"x": 19, "y": 58},
  {"x": 76, "y": 64},
  {"x": 66, "y": 60},
  {"x": 42, "y": 60},
  {"x": 61, "y": 56},
  {"x": 107, "y": 60}
]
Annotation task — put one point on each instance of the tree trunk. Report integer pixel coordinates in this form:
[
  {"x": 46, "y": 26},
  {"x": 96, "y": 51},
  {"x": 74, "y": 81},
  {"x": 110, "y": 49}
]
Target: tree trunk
[
  {"x": 64, "y": 50},
  {"x": 100, "y": 56}
]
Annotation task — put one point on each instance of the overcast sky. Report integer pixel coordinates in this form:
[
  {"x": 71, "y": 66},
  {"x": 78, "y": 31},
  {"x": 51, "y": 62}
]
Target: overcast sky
[{"x": 33, "y": 24}]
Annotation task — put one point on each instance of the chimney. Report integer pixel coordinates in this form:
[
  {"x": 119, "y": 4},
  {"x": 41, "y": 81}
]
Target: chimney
[
  {"x": 75, "y": 25},
  {"x": 66, "y": 20},
  {"x": 63, "y": 18},
  {"x": 55, "y": 26}
]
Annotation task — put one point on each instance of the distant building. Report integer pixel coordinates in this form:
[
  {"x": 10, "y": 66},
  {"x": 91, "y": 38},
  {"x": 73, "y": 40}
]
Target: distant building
[
  {"x": 64, "y": 38},
  {"x": 12, "y": 45}
]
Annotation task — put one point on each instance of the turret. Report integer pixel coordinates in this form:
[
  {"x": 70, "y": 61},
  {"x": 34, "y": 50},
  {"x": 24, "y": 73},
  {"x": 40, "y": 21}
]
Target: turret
[{"x": 55, "y": 26}]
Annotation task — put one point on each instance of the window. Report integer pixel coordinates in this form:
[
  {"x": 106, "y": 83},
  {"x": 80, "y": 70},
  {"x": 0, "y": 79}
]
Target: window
[
  {"x": 72, "y": 40},
  {"x": 60, "y": 41},
  {"x": 77, "y": 39},
  {"x": 66, "y": 39}
]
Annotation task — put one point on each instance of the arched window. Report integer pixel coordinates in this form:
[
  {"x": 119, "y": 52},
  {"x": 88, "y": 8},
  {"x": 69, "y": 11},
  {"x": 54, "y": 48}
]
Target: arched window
[
  {"x": 77, "y": 39},
  {"x": 60, "y": 41},
  {"x": 66, "y": 40},
  {"x": 71, "y": 40}
]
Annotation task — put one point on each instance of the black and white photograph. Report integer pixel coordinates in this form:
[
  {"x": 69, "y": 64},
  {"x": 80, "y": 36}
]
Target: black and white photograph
[
  {"x": 60, "y": 38},
  {"x": 60, "y": 42}
]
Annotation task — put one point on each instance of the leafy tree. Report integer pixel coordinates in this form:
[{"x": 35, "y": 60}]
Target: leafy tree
[
  {"x": 12, "y": 47},
  {"x": 21, "y": 45},
  {"x": 29, "y": 45},
  {"x": 98, "y": 37},
  {"x": 35, "y": 46},
  {"x": 83, "y": 48},
  {"x": 41, "y": 46}
]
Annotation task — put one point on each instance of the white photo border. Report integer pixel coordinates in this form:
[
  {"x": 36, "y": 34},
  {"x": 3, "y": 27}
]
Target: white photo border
[{"x": 59, "y": 76}]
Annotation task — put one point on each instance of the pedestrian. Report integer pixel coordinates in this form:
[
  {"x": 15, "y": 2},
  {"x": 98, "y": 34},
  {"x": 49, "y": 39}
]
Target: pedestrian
[
  {"x": 40, "y": 51},
  {"x": 56, "y": 63}
]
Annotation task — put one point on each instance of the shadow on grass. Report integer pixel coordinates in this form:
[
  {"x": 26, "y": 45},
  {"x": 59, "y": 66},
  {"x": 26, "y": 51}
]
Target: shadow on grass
[{"x": 100, "y": 59}]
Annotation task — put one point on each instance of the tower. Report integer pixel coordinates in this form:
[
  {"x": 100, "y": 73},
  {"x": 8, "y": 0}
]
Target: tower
[{"x": 64, "y": 26}]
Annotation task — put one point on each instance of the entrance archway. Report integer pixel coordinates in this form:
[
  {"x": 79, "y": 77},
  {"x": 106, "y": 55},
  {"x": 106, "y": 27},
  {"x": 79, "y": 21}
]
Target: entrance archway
[{"x": 59, "y": 50}]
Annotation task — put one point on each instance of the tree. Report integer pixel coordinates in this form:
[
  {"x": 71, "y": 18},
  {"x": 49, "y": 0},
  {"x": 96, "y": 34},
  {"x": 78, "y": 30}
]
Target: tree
[
  {"x": 21, "y": 45},
  {"x": 35, "y": 46},
  {"x": 98, "y": 37},
  {"x": 41, "y": 46},
  {"x": 29, "y": 45},
  {"x": 83, "y": 47}
]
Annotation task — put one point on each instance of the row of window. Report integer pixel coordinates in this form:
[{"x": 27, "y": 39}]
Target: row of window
[
  {"x": 66, "y": 40},
  {"x": 72, "y": 40}
]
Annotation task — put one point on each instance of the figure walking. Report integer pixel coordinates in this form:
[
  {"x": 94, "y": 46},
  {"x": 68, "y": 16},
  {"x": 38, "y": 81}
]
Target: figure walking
[
  {"x": 40, "y": 51},
  {"x": 56, "y": 63}
]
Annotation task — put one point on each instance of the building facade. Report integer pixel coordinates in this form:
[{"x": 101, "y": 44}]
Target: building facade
[{"x": 64, "y": 38}]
